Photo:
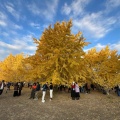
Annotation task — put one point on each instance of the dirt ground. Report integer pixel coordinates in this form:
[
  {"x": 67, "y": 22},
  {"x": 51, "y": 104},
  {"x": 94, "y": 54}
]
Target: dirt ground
[{"x": 93, "y": 106}]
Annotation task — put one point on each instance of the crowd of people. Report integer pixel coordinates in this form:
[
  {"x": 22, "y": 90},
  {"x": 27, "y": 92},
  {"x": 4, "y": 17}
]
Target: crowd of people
[
  {"x": 74, "y": 89},
  {"x": 17, "y": 87},
  {"x": 36, "y": 88}
]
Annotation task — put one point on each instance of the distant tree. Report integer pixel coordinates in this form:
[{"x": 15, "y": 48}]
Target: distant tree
[
  {"x": 103, "y": 67},
  {"x": 11, "y": 68}
]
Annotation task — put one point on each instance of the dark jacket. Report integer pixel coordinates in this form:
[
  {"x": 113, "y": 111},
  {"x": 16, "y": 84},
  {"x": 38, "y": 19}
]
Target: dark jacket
[
  {"x": 45, "y": 87},
  {"x": 38, "y": 87}
]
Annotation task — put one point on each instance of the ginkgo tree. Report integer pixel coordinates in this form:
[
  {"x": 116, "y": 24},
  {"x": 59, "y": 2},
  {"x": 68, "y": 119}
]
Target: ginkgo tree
[
  {"x": 58, "y": 54},
  {"x": 103, "y": 67},
  {"x": 11, "y": 68},
  {"x": 1, "y": 73},
  {"x": 31, "y": 68},
  {"x": 60, "y": 58}
]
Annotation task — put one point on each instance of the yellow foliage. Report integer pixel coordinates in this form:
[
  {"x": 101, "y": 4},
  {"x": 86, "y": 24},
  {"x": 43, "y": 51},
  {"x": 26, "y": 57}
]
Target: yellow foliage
[
  {"x": 60, "y": 58},
  {"x": 12, "y": 68},
  {"x": 58, "y": 54},
  {"x": 102, "y": 67}
]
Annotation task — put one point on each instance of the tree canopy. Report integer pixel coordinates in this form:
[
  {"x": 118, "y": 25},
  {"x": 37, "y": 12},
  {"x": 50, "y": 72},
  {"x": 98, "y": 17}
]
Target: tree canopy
[
  {"x": 60, "y": 58},
  {"x": 103, "y": 67},
  {"x": 11, "y": 69},
  {"x": 58, "y": 53}
]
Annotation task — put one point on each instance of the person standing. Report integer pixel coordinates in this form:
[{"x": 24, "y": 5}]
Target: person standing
[
  {"x": 37, "y": 91},
  {"x": 20, "y": 86},
  {"x": 2, "y": 85},
  {"x": 44, "y": 89},
  {"x": 33, "y": 91},
  {"x": 51, "y": 91},
  {"x": 73, "y": 91},
  {"x": 15, "y": 90},
  {"x": 118, "y": 90},
  {"x": 77, "y": 91},
  {"x": 8, "y": 84},
  {"x": 87, "y": 86}
]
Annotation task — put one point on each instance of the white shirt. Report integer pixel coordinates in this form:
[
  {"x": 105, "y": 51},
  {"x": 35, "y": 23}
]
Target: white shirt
[{"x": 1, "y": 87}]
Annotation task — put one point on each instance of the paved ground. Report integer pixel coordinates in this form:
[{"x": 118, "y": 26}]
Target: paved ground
[{"x": 94, "y": 106}]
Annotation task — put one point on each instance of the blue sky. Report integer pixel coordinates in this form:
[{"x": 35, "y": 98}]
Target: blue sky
[{"x": 20, "y": 20}]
